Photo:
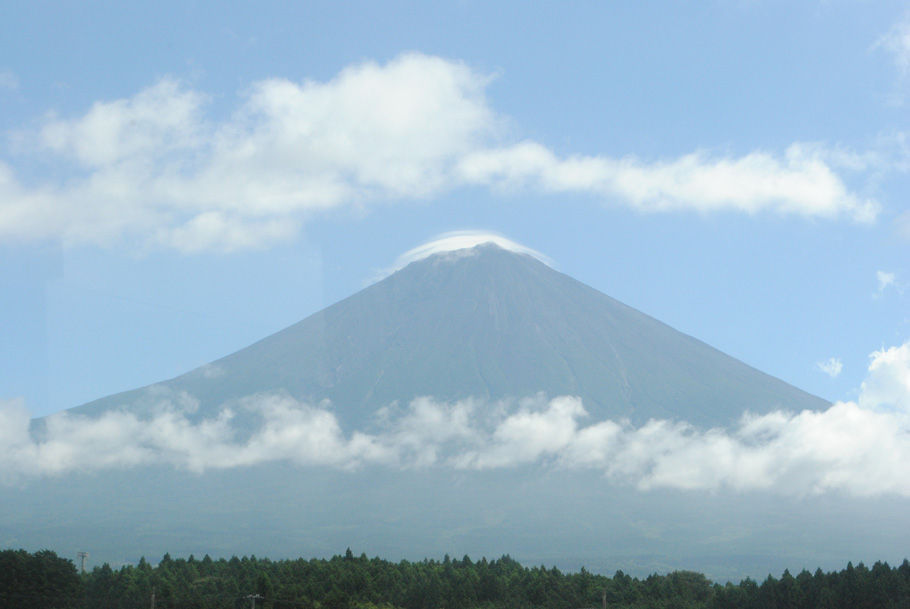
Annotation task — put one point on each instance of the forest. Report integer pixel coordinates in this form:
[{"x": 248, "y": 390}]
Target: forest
[{"x": 46, "y": 581}]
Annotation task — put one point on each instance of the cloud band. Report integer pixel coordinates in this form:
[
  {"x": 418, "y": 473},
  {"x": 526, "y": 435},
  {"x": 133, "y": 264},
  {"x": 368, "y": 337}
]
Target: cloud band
[
  {"x": 158, "y": 169},
  {"x": 860, "y": 448}
]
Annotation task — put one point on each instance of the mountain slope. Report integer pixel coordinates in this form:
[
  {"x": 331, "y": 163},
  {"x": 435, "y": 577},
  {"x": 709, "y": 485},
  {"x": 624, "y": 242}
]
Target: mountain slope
[{"x": 486, "y": 323}]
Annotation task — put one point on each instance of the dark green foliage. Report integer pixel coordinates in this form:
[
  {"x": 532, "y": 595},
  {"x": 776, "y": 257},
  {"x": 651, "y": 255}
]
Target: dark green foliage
[{"x": 42, "y": 580}]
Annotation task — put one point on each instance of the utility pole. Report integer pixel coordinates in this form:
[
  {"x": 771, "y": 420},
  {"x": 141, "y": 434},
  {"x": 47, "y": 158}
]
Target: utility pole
[
  {"x": 83, "y": 556},
  {"x": 605, "y": 598},
  {"x": 253, "y": 598},
  {"x": 153, "y": 597}
]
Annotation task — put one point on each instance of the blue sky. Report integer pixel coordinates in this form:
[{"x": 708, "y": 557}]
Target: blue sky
[{"x": 177, "y": 181}]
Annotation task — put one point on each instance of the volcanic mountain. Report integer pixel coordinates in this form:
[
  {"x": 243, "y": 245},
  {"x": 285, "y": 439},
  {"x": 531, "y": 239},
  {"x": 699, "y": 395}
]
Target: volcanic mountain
[{"x": 485, "y": 322}]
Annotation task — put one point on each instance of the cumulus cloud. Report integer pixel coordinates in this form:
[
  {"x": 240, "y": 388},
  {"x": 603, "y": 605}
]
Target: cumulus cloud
[
  {"x": 155, "y": 166},
  {"x": 887, "y": 386},
  {"x": 527, "y": 436},
  {"x": 158, "y": 169},
  {"x": 831, "y": 366},
  {"x": 156, "y": 123},
  {"x": 859, "y": 448},
  {"x": 289, "y": 430}
]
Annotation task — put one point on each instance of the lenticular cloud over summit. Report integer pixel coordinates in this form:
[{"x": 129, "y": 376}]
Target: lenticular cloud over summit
[{"x": 462, "y": 241}]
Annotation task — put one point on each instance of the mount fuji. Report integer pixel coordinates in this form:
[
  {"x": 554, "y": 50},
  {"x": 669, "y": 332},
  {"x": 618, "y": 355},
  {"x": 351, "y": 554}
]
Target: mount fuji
[{"x": 338, "y": 432}]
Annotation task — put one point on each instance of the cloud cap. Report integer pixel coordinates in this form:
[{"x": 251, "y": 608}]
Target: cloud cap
[{"x": 462, "y": 240}]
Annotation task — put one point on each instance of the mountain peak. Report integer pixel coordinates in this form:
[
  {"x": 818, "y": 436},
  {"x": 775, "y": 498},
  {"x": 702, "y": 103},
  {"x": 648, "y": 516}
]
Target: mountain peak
[{"x": 458, "y": 244}]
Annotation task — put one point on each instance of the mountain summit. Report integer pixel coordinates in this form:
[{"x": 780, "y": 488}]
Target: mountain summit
[{"x": 486, "y": 322}]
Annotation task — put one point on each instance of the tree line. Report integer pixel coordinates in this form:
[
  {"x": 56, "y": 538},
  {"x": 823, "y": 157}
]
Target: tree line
[{"x": 43, "y": 580}]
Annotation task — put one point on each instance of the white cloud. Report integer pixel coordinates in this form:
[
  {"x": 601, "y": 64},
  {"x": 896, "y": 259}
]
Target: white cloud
[
  {"x": 461, "y": 243},
  {"x": 887, "y": 387},
  {"x": 897, "y": 43},
  {"x": 152, "y": 166},
  {"x": 420, "y": 435},
  {"x": 302, "y": 434},
  {"x": 528, "y": 435},
  {"x": 860, "y": 448},
  {"x": 885, "y": 281},
  {"x": 217, "y": 231},
  {"x": 844, "y": 448},
  {"x": 157, "y": 170},
  {"x": 831, "y": 366},
  {"x": 800, "y": 182},
  {"x": 153, "y": 125}
]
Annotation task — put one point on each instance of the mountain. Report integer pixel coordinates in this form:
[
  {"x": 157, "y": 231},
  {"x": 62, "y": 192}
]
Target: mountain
[{"x": 485, "y": 323}]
